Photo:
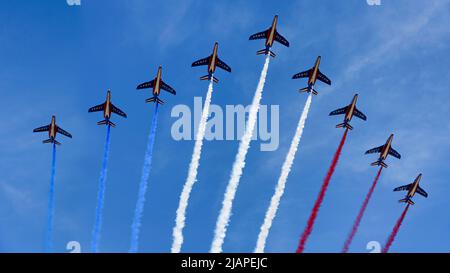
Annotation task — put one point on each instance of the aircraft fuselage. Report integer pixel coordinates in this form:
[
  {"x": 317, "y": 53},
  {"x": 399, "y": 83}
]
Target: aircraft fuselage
[
  {"x": 107, "y": 111},
  {"x": 313, "y": 76},
  {"x": 385, "y": 151},
  {"x": 53, "y": 129},
  {"x": 351, "y": 109},
  {"x": 272, "y": 31},
  {"x": 213, "y": 60},
  {"x": 157, "y": 85},
  {"x": 413, "y": 189}
]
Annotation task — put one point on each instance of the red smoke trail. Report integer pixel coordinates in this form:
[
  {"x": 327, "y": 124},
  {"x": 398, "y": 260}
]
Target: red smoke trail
[
  {"x": 315, "y": 210},
  {"x": 361, "y": 213},
  {"x": 395, "y": 230}
]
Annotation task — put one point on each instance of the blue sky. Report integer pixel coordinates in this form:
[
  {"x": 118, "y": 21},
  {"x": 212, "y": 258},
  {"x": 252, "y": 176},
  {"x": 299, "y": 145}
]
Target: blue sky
[{"x": 60, "y": 59}]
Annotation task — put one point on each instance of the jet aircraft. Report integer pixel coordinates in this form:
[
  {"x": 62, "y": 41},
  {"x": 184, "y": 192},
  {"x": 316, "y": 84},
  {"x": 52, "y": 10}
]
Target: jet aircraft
[
  {"x": 349, "y": 111},
  {"x": 108, "y": 108},
  {"x": 313, "y": 75},
  {"x": 412, "y": 189},
  {"x": 384, "y": 151},
  {"x": 52, "y": 130},
  {"x": 271, "y": 34},
  {"x": 157, "y": 84},
  {"x": 212, "y": 61}
]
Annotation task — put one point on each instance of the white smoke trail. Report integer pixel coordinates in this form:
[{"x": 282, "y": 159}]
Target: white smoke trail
[
  {"x": 192, "y": 175},
  {"x": 239, "y": 163},
  {"x": 279, "y": 190}
]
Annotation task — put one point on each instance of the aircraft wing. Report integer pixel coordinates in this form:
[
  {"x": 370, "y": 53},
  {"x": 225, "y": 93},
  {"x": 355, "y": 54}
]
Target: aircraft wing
[
  {"x": 403, "y": 188},
  {"x": 200, "y": 62},
  {"x": 146, "y": 85},
  {"x": 223, "y": 65},
  {"x": 97, "y": 108},
  {"x": 394, "y": 153},
  {"x": 339, "y": 111},
  {"x": 422, "y": 192},
  {"x": 281, "y": 39},
  {"x": 166, "y": 87},
  {"x": 359, "y": 114},
  {"x": 375, "y": 150},
  {"x": 42, "y": 129},
  {"x": 62, "y": 132},
  {"x": 321, "y": 77},
  {"x": 303, "y": 74},
  {"x": 259, "y": 35},
  {"x": 118, "y": 111}
]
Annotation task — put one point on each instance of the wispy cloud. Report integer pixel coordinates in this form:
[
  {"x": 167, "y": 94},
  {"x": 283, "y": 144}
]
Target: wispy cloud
[
  {"x": 20, "y": 198},
  {"x": 392, "y": 41}
]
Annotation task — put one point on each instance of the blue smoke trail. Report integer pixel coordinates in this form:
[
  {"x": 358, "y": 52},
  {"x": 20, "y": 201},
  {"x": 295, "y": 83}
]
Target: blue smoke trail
[
  {"x": 143, "y": 185},
  {"x": 51, "y": 204},
  {"x": 101, "y": 194}
]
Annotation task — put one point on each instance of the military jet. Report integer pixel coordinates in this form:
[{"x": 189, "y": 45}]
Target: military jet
[
  {"x": 108, "y": 108},
  {"x": 313, "y": 75},
  {"x": 384, "y": 151},
  {"x": 271, "y": 34},
  {"x": 157, "y": 84},
  {"x": 52, "y": 130},
  {"x": 212, "y": 61},
  {"x": 349, "y": 111},
  {"x": 412, "y": 189}
]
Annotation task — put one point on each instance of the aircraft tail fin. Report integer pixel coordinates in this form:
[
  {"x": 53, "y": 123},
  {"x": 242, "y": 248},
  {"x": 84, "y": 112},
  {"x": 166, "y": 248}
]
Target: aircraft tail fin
[
  {"x": 379, "y": 163},
  {"x": 309, "y": 89},
  {"x": 345, "y": 124},
  {"x": 266, "y": 51},
  {"x": 208, "y": 78},
  {"x": 51, "y": 141},
  {"x": 154, "y": 99},
  {"x": 406, "y": 200},
  {"x": 106, "y": 122}
]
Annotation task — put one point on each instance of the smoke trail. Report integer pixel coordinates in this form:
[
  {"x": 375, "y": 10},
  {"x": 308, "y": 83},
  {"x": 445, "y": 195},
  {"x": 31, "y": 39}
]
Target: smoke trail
[
  {"x": 315, "y": 210},
  {"x": 275, "y": 201},
  {"x": 51, "y": 204},
  {"x": 101, "y": 194},
  {"x": 239, "y": 163},
  {"x": 395, "y": 230},
  {"x": 192, "y": 175},
  {"x": 135, "y": 227},
  {"x": 361, "y": 213}
]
